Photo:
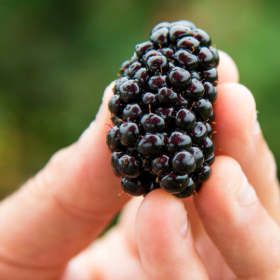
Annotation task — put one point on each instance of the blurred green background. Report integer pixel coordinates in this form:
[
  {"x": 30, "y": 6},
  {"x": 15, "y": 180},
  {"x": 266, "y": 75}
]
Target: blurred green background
[{"x": 57, "y": 56}]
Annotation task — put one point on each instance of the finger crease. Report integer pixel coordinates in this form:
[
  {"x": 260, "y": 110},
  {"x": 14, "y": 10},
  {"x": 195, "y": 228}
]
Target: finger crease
[
  {"x": 17, "y": 264},
  {"x": 82, "y": 214}
]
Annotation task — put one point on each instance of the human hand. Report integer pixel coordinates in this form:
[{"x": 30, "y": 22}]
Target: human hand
[{"x": 231, "y": 230}]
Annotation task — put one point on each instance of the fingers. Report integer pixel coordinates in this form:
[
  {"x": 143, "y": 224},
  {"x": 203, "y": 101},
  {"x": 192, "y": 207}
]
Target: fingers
[
  {"x": 239, "y": 136},
  {"x": 108, "y": 258},
  {"x": 114, "y": 256},
  {"x": 238, "y": 224},
  {"x": 165, "y": 241},
  {"x": 64, "y": 206},
  {"x": 227, "y": 69}
]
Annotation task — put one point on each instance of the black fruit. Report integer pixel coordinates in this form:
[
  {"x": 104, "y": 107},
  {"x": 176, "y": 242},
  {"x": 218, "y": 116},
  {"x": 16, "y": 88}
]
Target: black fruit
[
  {"x": 128, "y": 133},
  {"x": 179, "y": 77},
  {"x": 131, "y": 112},
  {"x": 189, "y": 190},
  {"x": 153, "y": 123},
  {"x": 183, "y": 163},
  {"x": 161, "y": 165},
  {"x": 129, "y": 166},
  {"x": 174, "y": 183},
  {"x": 162, "y": 110},
  {"x": 179, "y": 141}
]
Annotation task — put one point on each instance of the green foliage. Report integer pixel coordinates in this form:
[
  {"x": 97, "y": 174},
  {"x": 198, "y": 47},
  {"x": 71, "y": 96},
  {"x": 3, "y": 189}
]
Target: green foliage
[{"x": 57, "y": 56}]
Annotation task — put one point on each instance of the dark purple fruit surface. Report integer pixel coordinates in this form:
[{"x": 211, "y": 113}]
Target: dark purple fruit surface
[{"x": 162, "y": 112}]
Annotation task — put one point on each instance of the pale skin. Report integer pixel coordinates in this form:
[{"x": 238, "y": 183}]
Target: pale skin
[{"x": 231, "y": 231}]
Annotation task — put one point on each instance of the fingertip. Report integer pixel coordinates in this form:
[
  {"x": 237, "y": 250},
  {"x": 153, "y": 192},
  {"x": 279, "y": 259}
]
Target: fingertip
[
  {"x": 237, "y": 91},
  {"x": 158, "y": 209},
  {"x": 108, "y": 92},
  {"x": 158, "y": 226},
  {"x": 103, "y": 114},
  {"x": 227, "y": 69},
  {"x": 101, "y": 123},
  {"x": 130, "y": 210},
  {"x": 235, "y": 112}
]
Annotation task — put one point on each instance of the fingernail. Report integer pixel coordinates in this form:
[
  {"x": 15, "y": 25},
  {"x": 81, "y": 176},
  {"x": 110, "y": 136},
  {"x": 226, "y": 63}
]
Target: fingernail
[
  {"x": 184, "y": 226},
  {"x": 256, "y": 125},
  {"x": 247, "y": 194}
]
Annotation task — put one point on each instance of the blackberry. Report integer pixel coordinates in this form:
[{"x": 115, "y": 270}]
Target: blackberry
[
  {"x": 195, "y": 89},
  {"x": 141, "y": 76},
  {"x": 198, "y": 132},
  {"x": 157, "y": 82},
  {"x": 186, "y": 59},
  {"x": 157, "y": 62},
  {"x": 203, "y": 107},
  {"x": 153, "y": 123},
  {"x": 189, "y": 43},
  {"x": 150, "y": 54},
  {"x": 174, "y": 183},
  {"x": 185, "y": 119},
  {"x": 129, "y": 91},
  {"x": 182, "y": 102},
  {"x": 150, "y": 145},
  {"x": 116, "y": 105},
  {"x": 189, "y": 190},
  {"x": 168, "y": 52},
  {"x": 178, "y": 31},
  {"x": 168, "y": 114},
  {"x": 135, "y": 187},
  {"x": 162, "y": 110},
  {"x": 149, "y": 99},
  {"x": 160, "y": 165},
  {"x": 113, "y": 140},
  {"x": 167, "y": 96},
  {"x": 183, "y": 163},
  {"x": 207, "y": 146},
  {"x": 143, "y": 48},
  {"x": 198, "y": 156},
  {"x": 131, "y": 112},
  {"x": 210, "y": 159},
  {"x": 128, "y": 133},
  {"x": 179, "y": 141},
  {"x": 179, "y": 77},
  {"x": 129, "y": 166}
]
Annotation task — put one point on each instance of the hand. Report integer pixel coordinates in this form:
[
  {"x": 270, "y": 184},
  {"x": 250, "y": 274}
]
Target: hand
[{"x": 231, "y": 230}]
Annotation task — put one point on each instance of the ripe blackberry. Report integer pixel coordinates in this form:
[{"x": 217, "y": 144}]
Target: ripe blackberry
[{"x": 162, "y": 110}]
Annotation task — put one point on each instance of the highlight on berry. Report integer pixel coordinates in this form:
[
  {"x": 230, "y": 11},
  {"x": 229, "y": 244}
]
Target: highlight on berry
[{"x": 162, "y": 112}]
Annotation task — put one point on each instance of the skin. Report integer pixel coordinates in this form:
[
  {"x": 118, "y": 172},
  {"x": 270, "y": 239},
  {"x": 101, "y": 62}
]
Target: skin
[{"x": 231, "y": 231}]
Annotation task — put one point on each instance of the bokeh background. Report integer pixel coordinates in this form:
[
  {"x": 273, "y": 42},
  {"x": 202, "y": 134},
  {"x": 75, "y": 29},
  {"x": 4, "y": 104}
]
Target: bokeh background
[{"x": 57, "y": 56}]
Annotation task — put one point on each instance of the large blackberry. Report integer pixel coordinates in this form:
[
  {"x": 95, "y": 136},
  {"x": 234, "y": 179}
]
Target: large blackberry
[{"x": 162, "y": 112}]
